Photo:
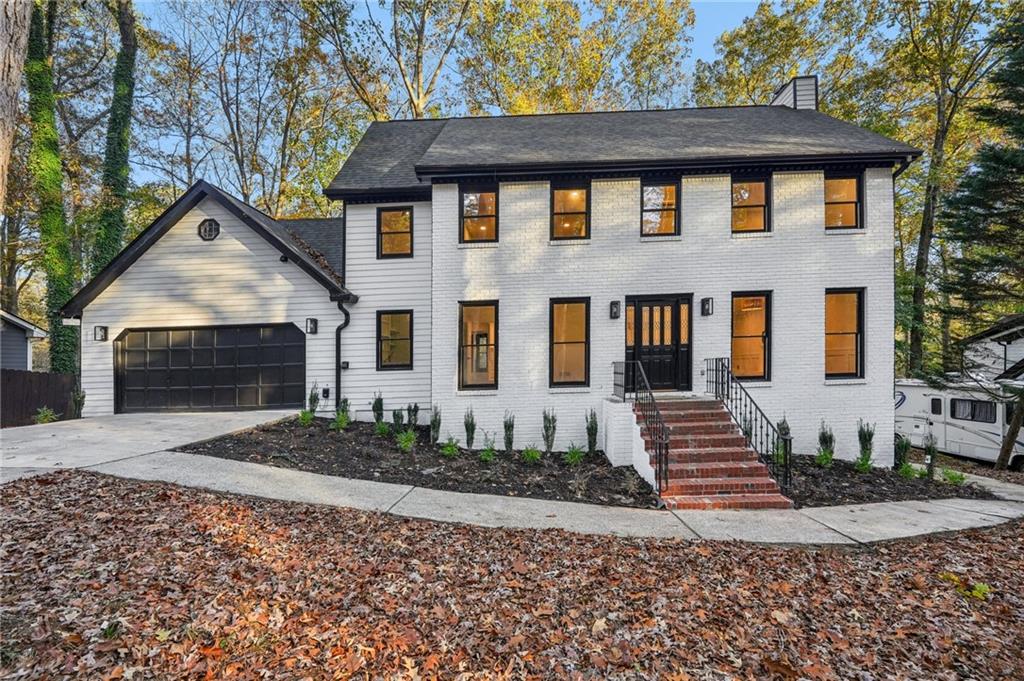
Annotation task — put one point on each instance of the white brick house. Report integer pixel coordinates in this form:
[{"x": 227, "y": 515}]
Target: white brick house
[{"x": 505, "y": 264}]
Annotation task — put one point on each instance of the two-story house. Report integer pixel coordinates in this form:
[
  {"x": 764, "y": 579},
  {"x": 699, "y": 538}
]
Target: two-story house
[{"x": 523, "y": 263}]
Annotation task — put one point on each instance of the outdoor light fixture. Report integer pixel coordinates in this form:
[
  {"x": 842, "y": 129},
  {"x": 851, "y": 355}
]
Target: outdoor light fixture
[
  {"x": 99, "y": 333},
  {"x": 614, "y": 309},
  {"x": 707, "y": 307},
  {"x": 311, "y": 325},
  {"x": 284, "y": 258}
]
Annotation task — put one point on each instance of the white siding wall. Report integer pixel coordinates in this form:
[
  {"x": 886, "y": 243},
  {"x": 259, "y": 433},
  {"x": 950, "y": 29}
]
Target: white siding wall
[
  {"x": 184, "y": 281},
  {"x": 797, "y": 261},
  {"x": 389, "y": 284}
]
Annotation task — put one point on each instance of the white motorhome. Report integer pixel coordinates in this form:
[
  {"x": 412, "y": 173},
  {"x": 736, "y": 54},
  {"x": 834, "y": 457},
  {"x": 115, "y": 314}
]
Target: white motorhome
[{"x": 964, "y": 420}]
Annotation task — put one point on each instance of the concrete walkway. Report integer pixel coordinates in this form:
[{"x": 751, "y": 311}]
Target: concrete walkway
[
  {"x": 31, "y": 450},
  {"x": 849, "y": 525}
]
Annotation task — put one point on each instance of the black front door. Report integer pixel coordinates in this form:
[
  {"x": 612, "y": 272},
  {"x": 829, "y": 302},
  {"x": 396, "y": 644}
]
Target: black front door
[{"x": 658, "y": 336}]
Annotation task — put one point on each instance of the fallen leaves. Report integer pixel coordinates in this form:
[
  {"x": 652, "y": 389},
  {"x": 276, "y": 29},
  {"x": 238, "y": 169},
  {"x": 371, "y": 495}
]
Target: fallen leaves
[{"x": 108, "y": 578}]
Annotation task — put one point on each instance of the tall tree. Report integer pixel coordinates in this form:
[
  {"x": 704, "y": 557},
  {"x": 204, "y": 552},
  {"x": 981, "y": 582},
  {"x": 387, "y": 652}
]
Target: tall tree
[
  {"x": 114, "y": 193},
  {"x": 984, "y": 218},
  {"x": 47, "y": 182},
  {"x": 15, "y": 16}
]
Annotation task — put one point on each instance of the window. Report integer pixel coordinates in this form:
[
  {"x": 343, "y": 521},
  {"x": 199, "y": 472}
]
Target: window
[
  {"x": 570, "y": 211},
  {"x": 659, "y": 209},
  {"x": 209, "y": 229},
  {"x": 844, "y": 333},
  {"x": 750, "y": 204},
  {"x": 751, "y": 335},
  {"x": 478, "y": 345},
  {"x": 479, "y": 217},
  {"x": 973, "y": 410},
  {"x": 394, "y": 232},
  {"x": 569, "y": 331},
  {"x": 937, "y": 406},
  {"x": 394, "y": 339},
  {"x": 842, "y": 202}
]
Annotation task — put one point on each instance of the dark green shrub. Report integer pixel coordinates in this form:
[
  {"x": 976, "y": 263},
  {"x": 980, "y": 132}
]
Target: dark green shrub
[
  {"x": 313, "y": 401},
  {"x": 378, "y": 407},
  {"x": 398, "y": 419},
  {"x": 866, "y": 436},
  {"x": 435, "y": 424},
  {"x": 509, "y": 424},
  {"x": 901, "y": 448},
  {"x": 469, "y": 421},
  {"x": 826, "y": 446},
  {"x": 412, "y": 414},
  {"x": 592, "y": 432},
  {"x": 488, "y": 452},
  {"x": 548, "y": 430}
]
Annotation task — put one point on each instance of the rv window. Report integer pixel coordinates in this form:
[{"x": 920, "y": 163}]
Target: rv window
[
  {"x": 937, "y": 405},
  {"x": 974, "y": 410}
]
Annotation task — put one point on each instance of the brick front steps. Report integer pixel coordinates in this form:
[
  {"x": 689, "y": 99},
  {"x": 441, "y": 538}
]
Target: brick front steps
[{"x": 709, "y": 463}]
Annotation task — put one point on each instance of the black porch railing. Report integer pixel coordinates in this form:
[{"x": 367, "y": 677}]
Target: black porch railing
[
  {"x": 630, "y": 384},
  {"x": 774, "y": 449}
]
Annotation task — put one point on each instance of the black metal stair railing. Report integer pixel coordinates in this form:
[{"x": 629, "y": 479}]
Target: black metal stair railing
[
  {"x": 630, "y": 384},
  {"x": 774, "y": 449}
]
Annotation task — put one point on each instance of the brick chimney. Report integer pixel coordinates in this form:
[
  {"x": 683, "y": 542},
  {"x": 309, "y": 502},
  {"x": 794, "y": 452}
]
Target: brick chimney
[{"x": 799, "y": 93}]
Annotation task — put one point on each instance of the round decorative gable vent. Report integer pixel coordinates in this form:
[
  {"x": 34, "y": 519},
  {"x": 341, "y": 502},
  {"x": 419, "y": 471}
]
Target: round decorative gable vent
[{"x": 208, "y": 230}]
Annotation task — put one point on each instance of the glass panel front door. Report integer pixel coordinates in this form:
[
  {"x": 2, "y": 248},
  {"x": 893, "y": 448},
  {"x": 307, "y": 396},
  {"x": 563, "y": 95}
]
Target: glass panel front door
[{"x": 658, "y": 336}]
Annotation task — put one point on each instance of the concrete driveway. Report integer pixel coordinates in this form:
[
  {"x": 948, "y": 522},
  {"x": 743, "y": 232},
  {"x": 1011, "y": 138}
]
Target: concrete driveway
[{"x": 31, "y": 450}]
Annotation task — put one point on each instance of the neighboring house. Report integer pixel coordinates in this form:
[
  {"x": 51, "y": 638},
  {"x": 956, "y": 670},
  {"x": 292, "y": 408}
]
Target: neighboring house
[
  {"x": 997, "y": 353},
  {"x": 16, "y": 338},
  {"x": 505, "y": 263}
]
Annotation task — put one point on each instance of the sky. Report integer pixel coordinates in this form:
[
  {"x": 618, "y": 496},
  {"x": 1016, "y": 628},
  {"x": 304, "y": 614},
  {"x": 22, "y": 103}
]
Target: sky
[{"x": 711, "y": 19}]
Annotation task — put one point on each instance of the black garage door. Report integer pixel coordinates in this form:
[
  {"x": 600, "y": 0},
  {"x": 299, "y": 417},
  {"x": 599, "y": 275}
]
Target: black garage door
[{"x": 223, "y": 367}]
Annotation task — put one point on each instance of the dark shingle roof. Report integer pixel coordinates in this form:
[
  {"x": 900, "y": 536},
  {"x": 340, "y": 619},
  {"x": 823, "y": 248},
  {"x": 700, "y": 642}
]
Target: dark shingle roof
[
  {"x": 323, "y": 235},
  {"x": 391, "y": 155},
  {"x": 1011, "y": 322}
]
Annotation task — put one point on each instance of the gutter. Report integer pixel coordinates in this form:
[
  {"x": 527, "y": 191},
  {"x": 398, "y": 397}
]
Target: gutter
[
  {"x": 337, "y": 353},
  {"x": 903, "y": 165}
]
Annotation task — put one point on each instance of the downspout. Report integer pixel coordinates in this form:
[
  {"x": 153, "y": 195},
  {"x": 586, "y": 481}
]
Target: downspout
[{"x": 337, "y": 353}]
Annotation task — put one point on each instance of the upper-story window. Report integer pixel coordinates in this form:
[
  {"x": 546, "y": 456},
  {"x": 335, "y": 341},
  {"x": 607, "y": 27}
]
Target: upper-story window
[
  {"x": 842, "y": 202},
  {"x": 479, "y": 216},
  {"x": 394, "y": 232},
  {"x": 659, "y": 211},
  {"x": 750, "y": 204},
  {"x": 570, "y": 211}
]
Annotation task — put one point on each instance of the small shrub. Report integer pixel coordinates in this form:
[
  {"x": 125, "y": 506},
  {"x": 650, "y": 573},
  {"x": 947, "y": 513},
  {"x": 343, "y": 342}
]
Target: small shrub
[
  {"x": 901, "y": 448},
  {"x": 548, "y": 430},
  {"x": 412, "y": 415},
  {"x": 469, "y": 421},
  {"x": 382, "y": 428},
  {"x": 574, "y": 455},
  {"x": 826, "y": 438},
  {"x": 953, "y": 477},
  {"x": 77, "y": 403},
  {"x": 509, "y": 423},
  {"x": 435, "y": 424},
  {"x": 923, "y": 473},
  {"x": 592, "y": 432},
  {"x": 342, "y": 417},
  {"x": 398, "y": 420},
  {"x": 378, "y": 407},
  {"x": 907, "y": 471},
  {"x": 531, "y": 454},
  {"x": 313, "y": 401},
  {"x": 45, "y": 415},
  {"x": 780, "y": 444},
  {"x": 406, "y": 440},
  {"x": 866, "y": 436},
  {"x": 450, "y": 448},
  {"x": 305, "y": 418},
  {"x": 824, "y": 458},
  {"x": 488, "y": 452}
]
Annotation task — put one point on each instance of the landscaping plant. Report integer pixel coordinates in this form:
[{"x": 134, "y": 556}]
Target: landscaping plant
[
  {"x": 382, "y": 428},
  {"x": 488, "y": 452},
  {"x": 826, "y": 446},
  {"x": 531, "y": 454},
  {"x": 953, "y": 477},
  {"x": 866, "y": 436},
  {"x": 378, "y": 407},
  {"x": 313, "y": 401},
  {"x": 305, "y": 418},
  {"x": 780, "y": 444},
  {"x": 342, "y": 417},
  {"x": 509, "y": 424},
  {"x": 469, "y": 421},
  {"x": 574, "y": 455},
  {"x": 412, "y": 413},
  {"x": 406, "y": 440},
  {"x": 435, "y": 424},
  {"x": 907, "y": 471},
  {"x": 901, "y": 447},
  {"x": 548, "y": 431},
  {"x": 398, "y": 419},
  {"x": 450, "y": 448},
  {"x": 77, "y": 403},
  {"x": 591, "y": 432},
  {"x": 45, "y": 415}
]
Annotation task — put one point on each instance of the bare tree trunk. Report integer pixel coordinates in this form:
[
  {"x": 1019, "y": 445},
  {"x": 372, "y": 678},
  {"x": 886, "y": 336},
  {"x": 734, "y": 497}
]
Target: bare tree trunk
[
  {"x": 1012, "y": 432},
  {"x": 15, "y": 16}
]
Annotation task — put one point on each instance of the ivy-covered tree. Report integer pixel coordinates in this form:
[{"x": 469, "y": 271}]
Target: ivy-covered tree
[{"x": 48, "y": 185}]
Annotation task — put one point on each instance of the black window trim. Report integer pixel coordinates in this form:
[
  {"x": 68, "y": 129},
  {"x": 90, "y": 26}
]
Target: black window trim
[
  {"x": 644, "y": 183},
  {"x": 497, "y": 335},
  {"x": 752, "y": 177},
  {"x": 935, "y": 406},
  {"x": 767, "y": 333},
  {"x": 860, "y": 333},
  {"x": 475, "y": 189},
  {"x": 563, "y": 185},
  {"x": 412, "y": 228},
  {"x": 551, "y": 343},
  {"x": 859, "y": 212},
  {"x": 974, "y": 405},
  {"x": 412, "y": 345}
]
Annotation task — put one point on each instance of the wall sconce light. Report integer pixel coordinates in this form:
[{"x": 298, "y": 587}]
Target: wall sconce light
[
  {"x": 312, "y": 325},
  {"x": 99, "y": 333},
  {"x": 615, "y": 309},
  {"x": 283, "y": 258},
  {"x": 707, "y": 307}
]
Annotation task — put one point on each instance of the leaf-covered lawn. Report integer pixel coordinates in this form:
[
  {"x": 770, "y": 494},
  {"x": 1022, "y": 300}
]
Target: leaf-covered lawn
[{"x": 113, "y": 577}]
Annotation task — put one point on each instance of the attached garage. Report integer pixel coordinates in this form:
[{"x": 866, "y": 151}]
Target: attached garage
[{"x": 210, "y": 368}]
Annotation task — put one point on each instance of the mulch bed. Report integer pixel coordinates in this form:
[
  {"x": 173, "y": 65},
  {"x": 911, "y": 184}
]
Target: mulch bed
[
  {"x": 970, "y": 466},
  {"x": 842, "y": 483},
  {"x": 360, "y": 453},
  {"x": 111, "y": 578}
]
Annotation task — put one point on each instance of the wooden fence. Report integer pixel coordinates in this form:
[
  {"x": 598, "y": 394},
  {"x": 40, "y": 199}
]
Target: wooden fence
[{"x": 22, "y": 393}]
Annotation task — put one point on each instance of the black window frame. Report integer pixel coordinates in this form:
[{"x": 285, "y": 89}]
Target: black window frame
[
  {"x": 478, "y": 189},
  {"x": 412, "y": 345},
  {"x": 767, "y": 332},
  {"x": 380, "y": 234},
  {"x": 936, "y": 406},
  {"x": 859, "y": 373},
  {"x": 737, "y": 178},
  {"x": 859, "y": 212},
  {"x": 974, "y": 409},
  {"x": 643, "y": 211},
  {"x": 461, "y": 348},
  {"x": 551, "y": 343},
  {"x": 568, "y": 185}
]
